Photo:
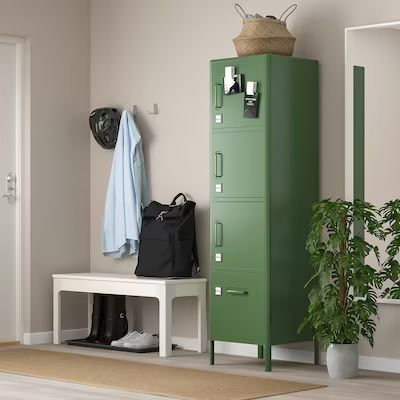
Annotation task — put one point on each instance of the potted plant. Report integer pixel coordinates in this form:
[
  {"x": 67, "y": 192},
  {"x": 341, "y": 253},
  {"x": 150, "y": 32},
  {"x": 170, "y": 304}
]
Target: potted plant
[
  {"x": 391, "y": 267},
  {"x": 343, "y": 296}
]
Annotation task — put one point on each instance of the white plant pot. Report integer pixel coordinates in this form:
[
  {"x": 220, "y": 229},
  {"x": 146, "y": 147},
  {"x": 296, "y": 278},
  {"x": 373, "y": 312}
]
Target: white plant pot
[{"x": 342, "y": 360}]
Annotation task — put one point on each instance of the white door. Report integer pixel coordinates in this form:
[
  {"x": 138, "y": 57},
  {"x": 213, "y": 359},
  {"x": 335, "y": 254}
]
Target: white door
[{"x": 8, "y": 107}]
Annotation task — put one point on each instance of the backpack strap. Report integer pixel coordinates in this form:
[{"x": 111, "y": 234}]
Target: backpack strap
[{"x": 173, "y": 202}]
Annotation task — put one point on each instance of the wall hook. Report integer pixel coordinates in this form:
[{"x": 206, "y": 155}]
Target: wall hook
[
  {"x": 155, "y": 109},
  {"x": 134, "y": 110}
]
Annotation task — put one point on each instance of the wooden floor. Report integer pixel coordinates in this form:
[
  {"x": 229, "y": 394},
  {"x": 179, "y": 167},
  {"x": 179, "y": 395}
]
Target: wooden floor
[{"x": 368, "y": 386}]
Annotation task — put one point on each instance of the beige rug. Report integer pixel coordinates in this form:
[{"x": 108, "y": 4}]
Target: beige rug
[{"x": 180, "y": 383}]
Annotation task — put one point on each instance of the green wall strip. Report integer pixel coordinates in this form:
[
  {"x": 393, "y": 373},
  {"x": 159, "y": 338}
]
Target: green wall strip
[{"x": 359, "y": 139}]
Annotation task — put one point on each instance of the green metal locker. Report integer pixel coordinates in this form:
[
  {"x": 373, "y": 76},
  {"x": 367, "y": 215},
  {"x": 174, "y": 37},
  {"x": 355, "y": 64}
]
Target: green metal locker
[{"x": 264, "y": 179}]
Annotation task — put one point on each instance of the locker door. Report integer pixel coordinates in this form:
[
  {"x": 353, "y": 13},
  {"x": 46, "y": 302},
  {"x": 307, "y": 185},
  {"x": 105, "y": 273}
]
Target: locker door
[
  {"x": 238, "y": 306},
  {"x": 227, "y": 110},
  {"x": 238, "y": 234},
  {"x": 238, "y": 165}
]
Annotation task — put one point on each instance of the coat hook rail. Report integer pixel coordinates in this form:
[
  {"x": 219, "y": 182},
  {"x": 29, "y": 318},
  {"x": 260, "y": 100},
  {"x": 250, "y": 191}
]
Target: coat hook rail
[{"x": 152, "y": 112}]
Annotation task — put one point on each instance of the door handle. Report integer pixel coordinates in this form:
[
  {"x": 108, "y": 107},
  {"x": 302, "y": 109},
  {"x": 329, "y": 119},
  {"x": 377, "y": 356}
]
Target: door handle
[
  {"x": 218, "y": 164},
  {"x": 218, "y": 234},
  {"x": 218, "y": 95},
  {"x": 237, "y": 292},
  {"x": 10, "y": 187}
]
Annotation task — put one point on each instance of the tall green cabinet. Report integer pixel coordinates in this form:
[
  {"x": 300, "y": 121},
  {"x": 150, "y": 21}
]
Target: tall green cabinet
[{"x": 264, "y": 179}]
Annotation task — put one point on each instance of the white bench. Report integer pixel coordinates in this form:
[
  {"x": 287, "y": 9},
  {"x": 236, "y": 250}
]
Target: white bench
[{"x": 165, "y": 290}]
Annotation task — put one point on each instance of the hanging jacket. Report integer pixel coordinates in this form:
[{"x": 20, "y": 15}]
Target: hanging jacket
[{"x": 127, "y": 193}]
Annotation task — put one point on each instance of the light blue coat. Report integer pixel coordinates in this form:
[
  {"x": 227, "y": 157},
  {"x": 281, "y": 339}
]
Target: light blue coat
[{"x": 127, "y": 193}]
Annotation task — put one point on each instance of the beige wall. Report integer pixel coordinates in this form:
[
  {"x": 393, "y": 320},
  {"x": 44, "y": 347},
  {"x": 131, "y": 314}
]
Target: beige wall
[
  {"x": 58, "y": 31},
  {"x": 158, "y": 51},
  {"x": 368, "y": 48}
]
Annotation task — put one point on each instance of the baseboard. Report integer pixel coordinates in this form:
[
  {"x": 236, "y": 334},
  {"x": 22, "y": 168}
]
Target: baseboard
[
  {"x": 278, "y": 352},
  {"x": 47, "y": 337},
  {"x": 185, "y": 343},
  {"x": 296, "y": 355},
  {"x": 303, "y": 356},
  {"x": 236, "y": 349},
  {"x": 380, "y": 364}
]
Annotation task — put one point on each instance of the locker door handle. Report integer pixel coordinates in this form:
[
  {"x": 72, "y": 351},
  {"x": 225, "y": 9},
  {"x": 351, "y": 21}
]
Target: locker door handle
[
  {"x": 218, "y": 95},
  {"x": 237, "y": 292},
  {"x": 218, "y": 164},
  {"x": 218, "y": 234}
]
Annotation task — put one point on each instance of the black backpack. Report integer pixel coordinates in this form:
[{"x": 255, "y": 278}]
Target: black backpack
[{"x": 167, "y": 245}]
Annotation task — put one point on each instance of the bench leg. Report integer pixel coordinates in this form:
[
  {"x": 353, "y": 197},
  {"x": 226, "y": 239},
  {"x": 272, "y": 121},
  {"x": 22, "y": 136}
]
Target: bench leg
[
  {"x": 56, "y": 316},
  {"x": 90, "y": 311},
  {"x": 165, "y": 329},
  {"x": 202, "y": 322}
]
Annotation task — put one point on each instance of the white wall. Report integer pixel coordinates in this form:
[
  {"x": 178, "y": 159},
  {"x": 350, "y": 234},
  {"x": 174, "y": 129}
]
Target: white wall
[
  {"x": 159, "y": 51},
  {"x": 58, "y": 158}
]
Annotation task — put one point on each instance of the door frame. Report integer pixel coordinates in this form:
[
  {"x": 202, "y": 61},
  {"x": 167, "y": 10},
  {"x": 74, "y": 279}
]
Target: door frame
[
  {"x": 22, "y": 173},
  {"x": 349, "y": 120}
]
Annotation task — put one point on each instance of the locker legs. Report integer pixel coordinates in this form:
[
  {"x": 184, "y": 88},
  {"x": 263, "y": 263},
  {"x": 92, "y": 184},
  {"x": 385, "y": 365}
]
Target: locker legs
[
  {"x": 263, "y": 352},
  {"x": 267, "y": 357},
  {"x": 316, "y": 352},
  {"x": 260, "y": 351}
]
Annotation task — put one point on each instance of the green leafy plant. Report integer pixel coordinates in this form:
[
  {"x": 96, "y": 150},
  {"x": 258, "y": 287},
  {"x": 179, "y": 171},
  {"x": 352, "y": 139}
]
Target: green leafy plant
[
  {"x": 343, "y": 295},
  {"x": 391, "y": 267}
]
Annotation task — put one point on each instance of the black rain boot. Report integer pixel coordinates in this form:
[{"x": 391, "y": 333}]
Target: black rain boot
[
  {"x": 116, "y": 323},
  {"x": 98, "y": 318}
]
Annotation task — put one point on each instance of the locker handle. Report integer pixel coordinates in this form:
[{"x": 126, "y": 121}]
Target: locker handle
[
  {"x": 218, "y": 164},
  {"x": 218, "y": 234},
  {"x": 237, "y": 292},
  {"x": 218, "y": 95}
]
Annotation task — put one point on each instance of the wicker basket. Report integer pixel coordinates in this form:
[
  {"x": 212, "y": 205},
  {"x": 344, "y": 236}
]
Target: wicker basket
[
  {"x": 264, "y": 35},
  {"x": 247, "y": 46},
  {"x": 262, "y": 27}
]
